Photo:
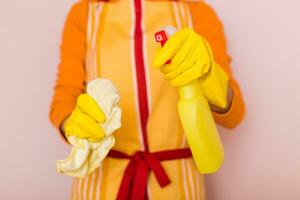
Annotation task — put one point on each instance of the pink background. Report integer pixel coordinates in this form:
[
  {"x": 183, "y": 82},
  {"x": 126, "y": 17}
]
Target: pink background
[{"x": 262, "y": 154}]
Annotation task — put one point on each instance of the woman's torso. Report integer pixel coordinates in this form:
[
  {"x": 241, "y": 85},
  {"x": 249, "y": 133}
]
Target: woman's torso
[{"x": 121, "y": 47}]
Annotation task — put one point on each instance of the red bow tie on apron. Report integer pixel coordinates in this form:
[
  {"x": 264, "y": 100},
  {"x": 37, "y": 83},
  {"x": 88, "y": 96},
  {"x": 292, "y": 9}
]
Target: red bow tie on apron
[{"x": 134, "y": 181}]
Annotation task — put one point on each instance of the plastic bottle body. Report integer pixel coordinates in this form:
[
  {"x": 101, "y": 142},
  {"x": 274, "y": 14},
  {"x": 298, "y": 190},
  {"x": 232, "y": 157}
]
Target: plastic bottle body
[
  {"x": 200, "y": 129},
  {"x": 197, "y": 120}
]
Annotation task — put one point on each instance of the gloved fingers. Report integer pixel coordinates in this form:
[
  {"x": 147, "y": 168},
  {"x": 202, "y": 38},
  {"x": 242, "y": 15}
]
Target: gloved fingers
[
  {"x": 81, "y": 118},
  {"x": 80, "y": 133},
  {"x": 180, "y": 69},
  {"x": 75, "y": 130},
  {"x": 90, "y": 107},
  {"x": 187, "y": 63},
  {"x": 171, "y": 66},
  {"x": 171, "y": 47},
  {"x": 183, "y": 52},
  {"x": 188, "y": 76},
  {"x": 167, "y": 67},
  {"x": 189, "y": 54},
  {"x": 87, "y": 124}
]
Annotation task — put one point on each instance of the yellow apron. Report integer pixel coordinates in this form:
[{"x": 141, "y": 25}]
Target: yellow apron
[{"x": 120, "y": 47}]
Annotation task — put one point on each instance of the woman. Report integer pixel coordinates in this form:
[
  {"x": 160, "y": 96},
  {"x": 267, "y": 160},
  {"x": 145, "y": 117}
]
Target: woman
[{"x": 114, "y": 39}]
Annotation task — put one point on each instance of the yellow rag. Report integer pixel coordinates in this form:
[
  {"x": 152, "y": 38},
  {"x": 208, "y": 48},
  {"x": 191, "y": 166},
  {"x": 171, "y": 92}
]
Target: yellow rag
[{"x": 86, "y": 156}]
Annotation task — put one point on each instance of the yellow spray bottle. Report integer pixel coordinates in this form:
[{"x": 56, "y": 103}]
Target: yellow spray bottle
[{"x": 197, "y": 120}]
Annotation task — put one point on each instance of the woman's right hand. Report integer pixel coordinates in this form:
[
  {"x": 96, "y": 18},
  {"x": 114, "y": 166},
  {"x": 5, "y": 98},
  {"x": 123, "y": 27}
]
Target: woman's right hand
[{"x": 84, "y": 120}]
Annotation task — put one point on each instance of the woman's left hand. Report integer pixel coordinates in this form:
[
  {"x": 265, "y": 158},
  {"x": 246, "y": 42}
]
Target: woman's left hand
[{"x": 190, "y": 56}]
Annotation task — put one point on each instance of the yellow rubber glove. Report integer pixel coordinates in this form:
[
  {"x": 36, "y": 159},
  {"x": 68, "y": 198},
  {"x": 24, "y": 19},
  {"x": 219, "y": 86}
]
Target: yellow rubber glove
[
  {"x": 83, "y": 122},
  {"x": 191, "y": 58}
]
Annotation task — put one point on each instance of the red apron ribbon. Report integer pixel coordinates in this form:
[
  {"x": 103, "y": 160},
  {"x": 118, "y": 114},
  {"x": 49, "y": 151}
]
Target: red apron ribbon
[{"x": 134, "y": 182}]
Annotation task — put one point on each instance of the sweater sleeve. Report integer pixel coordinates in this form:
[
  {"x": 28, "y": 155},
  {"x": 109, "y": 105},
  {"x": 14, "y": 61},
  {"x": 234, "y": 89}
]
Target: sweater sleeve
[
  {"x": 207, "y": 24},
  {"x": 70, "y": 82}
]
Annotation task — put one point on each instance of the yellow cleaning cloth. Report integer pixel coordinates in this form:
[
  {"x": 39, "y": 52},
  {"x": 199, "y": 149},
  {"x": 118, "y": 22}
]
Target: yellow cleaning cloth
[{"x": 86, "y": 156}]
